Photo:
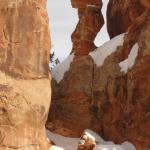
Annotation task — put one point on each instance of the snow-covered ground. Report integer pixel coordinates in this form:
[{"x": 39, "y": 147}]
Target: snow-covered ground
[{"x": 66, "y": 143}]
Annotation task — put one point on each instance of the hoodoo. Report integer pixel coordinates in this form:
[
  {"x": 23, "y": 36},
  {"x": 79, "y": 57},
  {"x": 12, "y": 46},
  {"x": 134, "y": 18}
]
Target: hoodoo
[{"x": 90, "y": 23}]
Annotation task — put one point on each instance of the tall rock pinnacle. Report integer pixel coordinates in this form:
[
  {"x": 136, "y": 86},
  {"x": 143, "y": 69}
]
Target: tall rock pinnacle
[
  {"x": 90, "y": 23},
  {"x": 24, "y": 74}
]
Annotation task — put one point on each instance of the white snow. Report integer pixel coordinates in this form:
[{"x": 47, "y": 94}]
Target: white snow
[
  {"x": 56, "y": 148},
  {"x": 100, "y": 54},
  {"x": 129, "y": 62},
  {"x": 108, "y": 147},
  {"x": 67, "y": 143},
  {"x": 128, "y": 146},
  {"x": 64, "y": 142},
  {"x": 59, "y": 71},
  {"x": 112, "y": 146}
]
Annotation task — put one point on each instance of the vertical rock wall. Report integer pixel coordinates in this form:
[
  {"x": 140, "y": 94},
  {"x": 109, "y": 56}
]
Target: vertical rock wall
[{"x": 24, "y": 74}]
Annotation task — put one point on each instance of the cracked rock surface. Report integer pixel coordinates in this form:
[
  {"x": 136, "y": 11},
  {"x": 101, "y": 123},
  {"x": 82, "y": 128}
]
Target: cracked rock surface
[{"x": 24, "y": 75}]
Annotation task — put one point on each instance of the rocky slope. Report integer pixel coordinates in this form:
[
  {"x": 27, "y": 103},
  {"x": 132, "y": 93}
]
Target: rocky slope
[
  {"x": 107, "y": 90},
  {"x": 24, "y": 74}
]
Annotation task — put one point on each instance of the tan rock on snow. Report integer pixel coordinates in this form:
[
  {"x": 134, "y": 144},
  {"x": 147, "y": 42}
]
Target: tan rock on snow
[{"x": 87, "y": 142}]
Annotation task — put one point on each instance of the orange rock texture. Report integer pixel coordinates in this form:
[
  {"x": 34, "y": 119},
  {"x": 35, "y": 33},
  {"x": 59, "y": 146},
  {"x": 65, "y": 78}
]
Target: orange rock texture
[
  {"x": 121, "y": 14},
  {"x": 24, "y": 74},
  {"x": 84, "y": 3},
  {"x": 90, "y": 23},
  {"x": 113, "y": 103}
]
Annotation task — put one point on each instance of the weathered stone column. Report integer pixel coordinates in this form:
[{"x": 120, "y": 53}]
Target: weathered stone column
[
  {"x": 24, "y": 74},
  {"x": 90, "y": 23}
]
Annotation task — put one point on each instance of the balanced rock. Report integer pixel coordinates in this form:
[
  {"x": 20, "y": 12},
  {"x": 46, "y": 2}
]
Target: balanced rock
[{"x": 90, "y": 23}]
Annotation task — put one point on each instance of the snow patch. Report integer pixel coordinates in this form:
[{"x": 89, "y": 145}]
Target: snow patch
[
  {"x": 59, "y": 71},
  {"x": 129, "y": 62},
  {"x": 56, "y": 148},
  {"x": 67, "y": 143},
  {"x": 100, "y": 54},
  {"x": 128, "y": 146},
  {"x": 112, "y": 146},
  {"x": 108, "y": 147}
]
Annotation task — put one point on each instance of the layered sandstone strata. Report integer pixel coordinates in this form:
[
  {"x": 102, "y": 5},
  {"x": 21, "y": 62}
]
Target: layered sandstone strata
[
  {"x": 24, "y": 74},
  {"x": 90, "y": 23}
]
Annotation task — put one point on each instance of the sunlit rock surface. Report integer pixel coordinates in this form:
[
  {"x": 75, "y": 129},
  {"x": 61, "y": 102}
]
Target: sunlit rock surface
[{"x": 24, "y": 74}]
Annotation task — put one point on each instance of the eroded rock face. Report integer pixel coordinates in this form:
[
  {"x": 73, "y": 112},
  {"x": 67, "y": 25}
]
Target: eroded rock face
[
  {"x": 24, "y": 74},
  {"x": 145, "y": 3},
  {"x": 21, "y": 32},
  {"x": 134, "y": 30},
  {"x": 90, "y": 23},
  {"x": 78, "y": 100},
  {"x": 121, "y": 14},
  {"x": 72, "y": 100},
  {"x": 105, "y": 99},
  {"x": 133, "y": 34},
  {"x": 84, "y": 3}
]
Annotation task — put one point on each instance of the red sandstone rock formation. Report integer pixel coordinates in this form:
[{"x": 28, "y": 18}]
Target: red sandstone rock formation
[
  {"x": 145, "y": 3},
  {"x": 90, "y": 23},
  {"x": 121, "y": 14},
  {"x": 81, "y": 5},
  {"x": 72, "y": 100},
  {"x": 112, "y": 103},
  {"x": 24, "y": 74},
  {"x": 84, "y": 3},
  {"x": 134, "y": 30},
  {"x": 133, "y": 34}
]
